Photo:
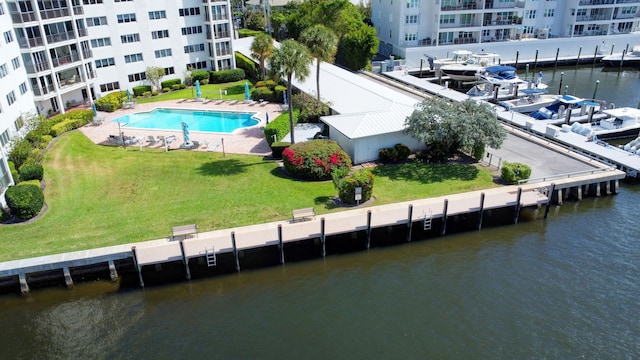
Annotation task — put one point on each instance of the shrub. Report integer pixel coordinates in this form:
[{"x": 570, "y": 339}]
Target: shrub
[
  {"x": 199, "y": 75},
  {"x": 204, "y": 81},
  {"x": 169, "y": 83},
  {"x": 403, "y": 151},
  {"x": 279, "y": 127},
  {"x": 31, "y": 172},
  {"x": 111, "y": 102},
  {"x": 182, "y": 86},
  {"x": 24, "y": 201},
  {"x": 262, "y": 93},
  {"x": 478, "y": 152},
  {"x": 13, "y": 171},
  {"x": 225, "y": 76},
  {"x": 73, "y": 120},
  {"x": 141, "y": 89},
  {"x": 315, "y": 159},
  {"x": 250, "y": 68},
  {"x": 166, "y": 89},
  {"x": 399, "y": 152},
  {"x": 347, "y": 185},
  {"x": 266, "y": 83},
  {"x": 20, "y": 152},
  {"x": 175, "y": 87},
  {"x": 45, "y": 141},
  {"x": 146, "y": 93},
  {"x": 310, "y": 108},
  {"x": 277, "y": 148},
  {"x": 514, "y": 172}
]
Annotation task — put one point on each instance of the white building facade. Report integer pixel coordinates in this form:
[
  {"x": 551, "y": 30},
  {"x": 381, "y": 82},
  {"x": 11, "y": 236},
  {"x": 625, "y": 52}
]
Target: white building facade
[
  {"x": 56, "y": 54},
  {"x": 419, "y": 23}
]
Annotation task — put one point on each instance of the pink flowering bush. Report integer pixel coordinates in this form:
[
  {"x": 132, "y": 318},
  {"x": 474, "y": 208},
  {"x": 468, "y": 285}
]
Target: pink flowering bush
[{"x": 315, "y": 159}]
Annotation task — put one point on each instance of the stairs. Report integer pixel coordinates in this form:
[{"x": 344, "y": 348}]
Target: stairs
[
  {"x": 426, "y": 222},
  {"x": 210, "y": 254}
]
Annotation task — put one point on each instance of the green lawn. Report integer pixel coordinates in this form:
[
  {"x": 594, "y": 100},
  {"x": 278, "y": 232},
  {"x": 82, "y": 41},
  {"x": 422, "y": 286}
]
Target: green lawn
[
  {"x": 235, "y": 91},
  {"x": 99, "y": 196}
]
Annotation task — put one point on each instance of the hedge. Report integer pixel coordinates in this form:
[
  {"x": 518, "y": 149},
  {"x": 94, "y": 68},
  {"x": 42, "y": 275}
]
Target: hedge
[
  {"x": 278, "y": 147},
  {"x": 141, "y": 89},
  {"x": 73, "y": 120},
  {"x": 31, "y": 172},
  {"x": 346, "y": 186},
  {"x": 249, "y": 66},
  {"x": 111, "y": 102},
  {"x": 14, "y": 172},
  {"x": 168, "y": 83},
  {"x": 199, "y": 75},
  {"x": 24, "y": 201},
  {"x": 399, "y": 152},
  {"x": 263, "y": 93},
  {"x": 279, "y": 127},
  {"x": 315, "y": 159},
  {"x": 225, "y": 76},
  {"x": 514, "y": 172}
]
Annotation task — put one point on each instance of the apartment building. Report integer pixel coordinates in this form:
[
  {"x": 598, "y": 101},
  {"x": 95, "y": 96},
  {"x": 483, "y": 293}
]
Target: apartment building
[
  {"x": 56, "y": 54},
  {"x": 420, "y": 23}
]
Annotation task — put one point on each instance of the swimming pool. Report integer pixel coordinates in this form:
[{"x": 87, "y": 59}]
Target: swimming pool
[{"x": 198, "y": 120}]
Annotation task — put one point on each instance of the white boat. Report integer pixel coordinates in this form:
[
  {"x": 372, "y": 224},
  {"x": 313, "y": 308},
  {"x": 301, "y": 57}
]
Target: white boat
[
  {"x": 562, "y": 105},
  {"x": 631, "y": 58},
  {"x": 467, "y": 70},
  {"x": 458, "y": 56},
  {"x": 620, "y": 123},
  {"x": 529, "y": 101}
]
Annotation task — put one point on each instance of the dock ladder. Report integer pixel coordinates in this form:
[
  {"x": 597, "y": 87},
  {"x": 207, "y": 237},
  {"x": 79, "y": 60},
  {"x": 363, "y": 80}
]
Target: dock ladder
[
  {"x": 210, "y": 254},
  {"x": 426, "y": 221}
]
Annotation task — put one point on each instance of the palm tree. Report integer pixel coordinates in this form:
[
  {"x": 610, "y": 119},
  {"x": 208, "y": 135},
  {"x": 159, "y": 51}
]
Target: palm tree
[
  {"x": 323, "y": 44},
  {"x": 291, "y": 57},
  {"x": 261, "y": 50}
]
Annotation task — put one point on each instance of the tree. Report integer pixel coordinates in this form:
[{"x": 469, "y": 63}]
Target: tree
[
  {"x": 447, "y": 128},
  {"x": 322, "y": 44},
  {"x": 261, "y": 50},
  {"x": 291, "y": 58},
  {"x": 357, "y": 48},
  {"x": 154, "y": 74}
]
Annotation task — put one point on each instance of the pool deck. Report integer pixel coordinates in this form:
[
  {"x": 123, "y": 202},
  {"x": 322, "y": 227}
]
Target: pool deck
[{"x": 243, "y": 141}]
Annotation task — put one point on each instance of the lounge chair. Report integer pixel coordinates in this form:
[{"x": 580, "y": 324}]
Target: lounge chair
[
  {"x": 212, "y": 146},
  {"x": 233, "y": 102},
  {"x": 181, "y": 101},
  {"x": 152, "y": 140}
]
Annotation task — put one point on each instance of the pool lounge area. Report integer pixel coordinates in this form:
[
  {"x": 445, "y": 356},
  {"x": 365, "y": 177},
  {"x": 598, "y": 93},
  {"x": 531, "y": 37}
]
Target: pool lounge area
[{"x": 248, "y": 140}]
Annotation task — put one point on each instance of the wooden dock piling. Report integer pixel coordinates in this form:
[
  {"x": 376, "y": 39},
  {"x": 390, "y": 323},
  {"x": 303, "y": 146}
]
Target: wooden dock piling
[{"x": 481, "y": 212}]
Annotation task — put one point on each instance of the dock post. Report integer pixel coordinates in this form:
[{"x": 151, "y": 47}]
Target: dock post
[
  {"x": 598, "y": 189},
  {"x": 517, "y": 56},
  {"x": 595, "y": 55},
  {"x": 67, "y": 277},
  {"x": 518, "y": 200},
  {"x": 556, "y": 63},
  {"x": 280, "y": 244},
  {"x": 481, "y": 211},
  {"x": 616, "y": 186},
  {"x": 612, "y": 46},
  {"x": 444, "y": 217},
  {"x": 535, "y": 62},
  {"x": 323, "y": 238},
  {"x": 546, "y": 211},
  {"x": 113, "y": 271},
  {"x": 560, "y": 87},
  {"x": 579, "y": 193},
  {"x": 24, "y": 287},
  {"x": 368, "y": 229},
  {"x": 579, "y": 52},
  {"x": 185, "y": 261},
  {"x": 235, "y": 250},
  {"x": 607, "y": 187},
  {"x": 409, "y": 222},
  {"x": 138, "y": 269}
]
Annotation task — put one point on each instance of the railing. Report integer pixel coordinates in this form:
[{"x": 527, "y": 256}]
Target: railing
[
  {"x": 31, "y": 42},
  {"x": 219, "y": 17},
  {"x": 36, "y": 67},
  {"x": 43, "y": 90},
  {"x": 54, "y": 38},
  {"x": 65, "y": 59},
  {"x": 596, "y": 2},
  {"x": 593, "y": 18},
  {"x": 24, "y": 17},
  {"x": 564, "y": 176},
  {"x": 54, "y": 13},
  {"x": 78, "y": 10},
  {"x": 87, "y": 54},
  {"x": 82, "y": 32},
  {"x": 222, "y": 34},
  {"x": 222, "y": 52}
]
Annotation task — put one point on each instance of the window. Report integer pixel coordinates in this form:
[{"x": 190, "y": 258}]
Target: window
[
  {"x": 97, "y": 21},
  {"x": 447, "y": 19},
  {"x": 121, "y": 0},
  {"x": 125, "y": 18},
  {"x": 192, "y": 30},
  {"x": 628, "y": 10},
  {"x": 189, "y": 11},
  {"x": 109, "y": 86},
  {"x": 15, "y": 62},
  {"x": 160, "y": 34},
  {"x": 90, "y": 2},
  {"x": 530, "y": 14},
  {"x": 549, "y": 12},
  {"x": 19, "y": 123},
  {"x": 413, "y": 4},
  {"x": 133, "y": 58},
  {"x": 137, "y": 77},
  {"x": 1, "y": 9},
  {"x": 197, "y": 65},
  {"x": 100, "y": 42},
  {"x": 169, "y": 71},
  {"x": 129, "y": 38},
  {"x": 411, "y": 19},
  {"x": 3, "y": 71},
  {"x": 410, "y": 37},
  {"x": 155, "y": 15},
  {"x": 4, "y": 138},
  {"x": 193, "y": 48},
  {"x": 11, "y": 97},
  {"x": 466, "y": 19},
  {"x": 105, "y": 62},
  {"x": 8, "y": 37},
  {"x": 163, "y": 53},
  {"x": 23, "y": 89}
]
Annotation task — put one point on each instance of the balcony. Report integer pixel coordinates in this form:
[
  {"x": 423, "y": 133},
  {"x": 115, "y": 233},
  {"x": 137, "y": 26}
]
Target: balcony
[
  {"x": 54, "y": 38},
  {"x": 54, "y": 13},
  {"x": 593, "y": 18},
  {"x": 87, "y": 54},
  {"x": 31, "y": 42},
  {"x": 36, "y": 67},
  {"x": 78, "y": 10},
  {"x": 43, "y": 90},
  {"x": 82, "y": 32},
  {"x": 218, "y": 17},
  {"x": 65, "y": 59},
  {"x": 222, "y": 34},
  {"x": 595, "y": 2}
]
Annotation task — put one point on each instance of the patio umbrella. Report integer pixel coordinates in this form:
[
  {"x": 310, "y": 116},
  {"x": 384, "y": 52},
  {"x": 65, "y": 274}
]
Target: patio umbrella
[
  {"x": 185, "y": 134},
  {"x": 247, "y": 94},
  {"x": 267, "y": 117},
  {"x": 95, "y": 111},
  {"x": 198, "y": 93},
  {"x": 128, "y": 96},
  {"x": 284, "y": 96}
]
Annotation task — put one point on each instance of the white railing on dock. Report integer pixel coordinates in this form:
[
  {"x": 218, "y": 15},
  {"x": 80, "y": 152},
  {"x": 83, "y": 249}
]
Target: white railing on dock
[{"x": 564, "y": 176}]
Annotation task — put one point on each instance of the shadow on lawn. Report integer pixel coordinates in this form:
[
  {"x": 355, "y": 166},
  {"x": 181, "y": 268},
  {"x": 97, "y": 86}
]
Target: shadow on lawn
[
  {"x": 426, "y": 173},
  {"x": 223, "y": 167}
]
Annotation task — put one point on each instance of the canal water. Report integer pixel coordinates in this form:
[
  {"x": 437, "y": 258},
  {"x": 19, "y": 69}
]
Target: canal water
[{"x": 562, "y": 288}]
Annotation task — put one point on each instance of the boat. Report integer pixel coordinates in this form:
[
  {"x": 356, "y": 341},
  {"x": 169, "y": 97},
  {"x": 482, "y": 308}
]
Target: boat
[
  {"x": 529, "y": 100},
  {"x": 620, "y": 123},
  {"x": 561, "y": 105},
  {"x": 458, "y": 56},
  {"x": 467, "y": 70},
  {"x": 625, "y": 59}
]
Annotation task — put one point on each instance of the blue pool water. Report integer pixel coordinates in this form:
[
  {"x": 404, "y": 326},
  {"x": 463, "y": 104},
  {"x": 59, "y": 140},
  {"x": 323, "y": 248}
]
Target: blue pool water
[{"x": 206, "y": 121}]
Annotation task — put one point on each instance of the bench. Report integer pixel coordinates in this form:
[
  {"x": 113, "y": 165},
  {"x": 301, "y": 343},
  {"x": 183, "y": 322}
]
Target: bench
[
  {"x": 184, "y": 231},
  {"x": 303, "y": 214}
]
